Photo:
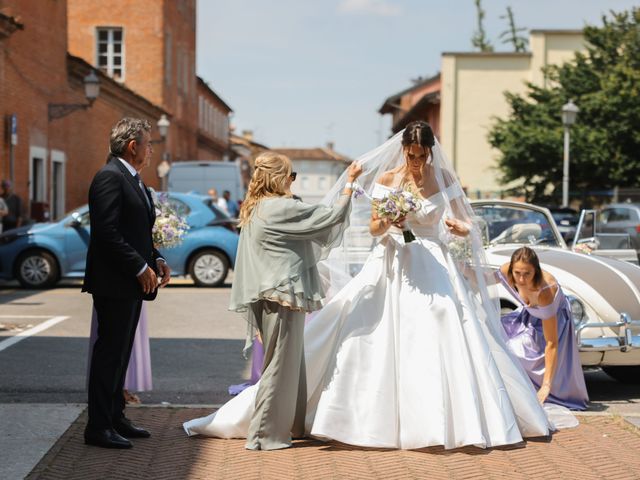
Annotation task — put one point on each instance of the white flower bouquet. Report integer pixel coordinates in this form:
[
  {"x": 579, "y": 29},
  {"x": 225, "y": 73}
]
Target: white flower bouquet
[
  {"x": 169, "y": 228},
  {"x": 395, "y": 205},
  {"x": 398, "y": 204}
]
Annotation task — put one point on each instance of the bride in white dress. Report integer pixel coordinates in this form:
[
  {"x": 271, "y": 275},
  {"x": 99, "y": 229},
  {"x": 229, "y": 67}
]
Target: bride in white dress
[{"x": 409, "y": 353}]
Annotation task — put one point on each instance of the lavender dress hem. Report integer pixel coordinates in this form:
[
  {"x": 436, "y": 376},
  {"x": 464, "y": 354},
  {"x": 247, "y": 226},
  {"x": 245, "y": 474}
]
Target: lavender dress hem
[
  {"x": 257, "y": 362},
  {"x": 526, "y": 341},
  {"x": 138, "y": 377}
]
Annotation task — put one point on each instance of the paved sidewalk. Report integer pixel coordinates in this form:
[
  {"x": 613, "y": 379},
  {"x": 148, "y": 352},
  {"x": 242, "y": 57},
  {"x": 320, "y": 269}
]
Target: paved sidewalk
[
  {"x": 601, "y": 447},
  {"x": 28, "y": 432}
]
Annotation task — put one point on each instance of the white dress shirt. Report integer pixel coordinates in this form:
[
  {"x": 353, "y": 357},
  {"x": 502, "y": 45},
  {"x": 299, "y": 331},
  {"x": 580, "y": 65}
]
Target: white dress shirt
[{"x": 133, "y": 173}]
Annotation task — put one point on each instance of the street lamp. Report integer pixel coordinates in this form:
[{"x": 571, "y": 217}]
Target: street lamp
[
  {"x": 569, "y": 114},
  {"x": 165, "y": 165},
  {"x": 163, "y": 126},
  {"x": 91, "y": 91}
]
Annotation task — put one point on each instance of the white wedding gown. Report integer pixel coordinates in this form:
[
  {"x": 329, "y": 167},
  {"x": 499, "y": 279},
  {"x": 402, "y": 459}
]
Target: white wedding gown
[{"x": 400, "y": 359}]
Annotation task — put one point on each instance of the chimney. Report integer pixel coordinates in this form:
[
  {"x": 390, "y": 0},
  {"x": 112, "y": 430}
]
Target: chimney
[
  {"x": 330, "y": 146},
  {"x": 247, "y": 135}
]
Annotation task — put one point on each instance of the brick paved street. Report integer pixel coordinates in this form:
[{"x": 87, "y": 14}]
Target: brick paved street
[{"x": 602, "y": 447}]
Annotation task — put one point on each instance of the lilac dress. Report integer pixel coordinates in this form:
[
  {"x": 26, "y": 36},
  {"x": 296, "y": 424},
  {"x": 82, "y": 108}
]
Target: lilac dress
[
  {"x": 526, "y": 340},
  {"x": 257, "y": 362},
  {"x": 138, "y": 377}
]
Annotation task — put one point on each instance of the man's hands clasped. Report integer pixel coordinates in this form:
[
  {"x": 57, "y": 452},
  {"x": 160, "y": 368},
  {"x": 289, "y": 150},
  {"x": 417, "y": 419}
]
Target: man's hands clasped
[
  {"x": 149, "y": 281},
  {"x": 164, "y": 272}
]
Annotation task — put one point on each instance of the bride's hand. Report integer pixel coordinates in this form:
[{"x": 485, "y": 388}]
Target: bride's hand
[
  {"x": 399, "y": 222},
  {"x": 457, "y": 227}
]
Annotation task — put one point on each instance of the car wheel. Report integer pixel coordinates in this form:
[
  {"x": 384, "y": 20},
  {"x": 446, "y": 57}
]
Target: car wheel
[
  {"x": 37, "y": 269},
  {"x": 624, "y": 374},
  {"x": 208, "y": 268}
]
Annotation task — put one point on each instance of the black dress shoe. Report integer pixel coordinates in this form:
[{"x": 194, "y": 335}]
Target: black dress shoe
[
  {"x": 127, "y": 429},
  {"x": 105, "y": 438}
]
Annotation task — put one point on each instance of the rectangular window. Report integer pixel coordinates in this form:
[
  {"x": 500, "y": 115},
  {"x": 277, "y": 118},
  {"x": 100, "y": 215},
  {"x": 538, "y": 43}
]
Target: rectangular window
[
  {"x": 110, "y": 51},
  {"x": 322, "y": 184},
  {"x": 57, "y": 184}
]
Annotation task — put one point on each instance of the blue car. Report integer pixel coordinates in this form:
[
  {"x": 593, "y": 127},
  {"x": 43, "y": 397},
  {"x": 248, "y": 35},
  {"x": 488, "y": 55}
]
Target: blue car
[{"x": 39, "y": 255}]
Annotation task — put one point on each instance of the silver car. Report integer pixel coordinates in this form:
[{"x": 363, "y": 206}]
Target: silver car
[
  {"x": 604, "y": 292},
  {"x": 622, "y": 218}
]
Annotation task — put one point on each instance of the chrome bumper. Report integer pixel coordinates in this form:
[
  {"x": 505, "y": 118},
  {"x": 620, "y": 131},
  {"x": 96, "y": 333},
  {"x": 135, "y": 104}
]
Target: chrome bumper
[{"x": 624, "y": 342}]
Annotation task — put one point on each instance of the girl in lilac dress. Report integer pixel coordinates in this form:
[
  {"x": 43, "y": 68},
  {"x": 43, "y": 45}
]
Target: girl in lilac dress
[
  {"x": 138, "y": 378},
  {"x": 541, "y": 332}
]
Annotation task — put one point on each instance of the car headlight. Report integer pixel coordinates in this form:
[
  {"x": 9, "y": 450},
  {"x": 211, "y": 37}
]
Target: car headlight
[
  {"x": 578, "y": 310},
  {"x": 7, "y": 238}
]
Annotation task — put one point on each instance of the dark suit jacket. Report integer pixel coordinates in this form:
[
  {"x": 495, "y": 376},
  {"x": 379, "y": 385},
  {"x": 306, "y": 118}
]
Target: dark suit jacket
[{"x": 121, "y": 242}]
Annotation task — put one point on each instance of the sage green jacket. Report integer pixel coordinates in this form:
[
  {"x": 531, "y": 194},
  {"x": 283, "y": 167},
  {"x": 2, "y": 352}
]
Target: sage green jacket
[{"x": 279, "y": 250}]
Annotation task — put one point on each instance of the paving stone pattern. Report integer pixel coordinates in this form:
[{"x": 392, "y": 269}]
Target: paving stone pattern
[{"x": 602, "y": 447}]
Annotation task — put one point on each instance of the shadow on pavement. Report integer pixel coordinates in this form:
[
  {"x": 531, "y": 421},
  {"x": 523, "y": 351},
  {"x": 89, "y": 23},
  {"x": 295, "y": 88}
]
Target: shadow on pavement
[
  {"x": 184, "y": 370},
  {"x": 603, "y": 388},
  {"x": 12, "y": 292}
]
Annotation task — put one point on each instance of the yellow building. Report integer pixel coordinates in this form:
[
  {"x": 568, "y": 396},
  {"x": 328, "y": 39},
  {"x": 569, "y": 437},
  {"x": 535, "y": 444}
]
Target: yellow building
[{"x": 472, "y": 96}]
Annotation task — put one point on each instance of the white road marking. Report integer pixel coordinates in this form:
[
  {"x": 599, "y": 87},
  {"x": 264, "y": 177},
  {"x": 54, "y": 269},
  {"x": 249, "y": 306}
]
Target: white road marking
[
  {"x": 32, "y": 331},
  {"x": 25, "y": 316}
]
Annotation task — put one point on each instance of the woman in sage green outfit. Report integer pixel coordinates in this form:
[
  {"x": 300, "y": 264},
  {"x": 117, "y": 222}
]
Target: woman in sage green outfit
[{"x": 276, "y": 282}]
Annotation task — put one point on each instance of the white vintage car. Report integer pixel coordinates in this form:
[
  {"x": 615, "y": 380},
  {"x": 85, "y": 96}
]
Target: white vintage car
[{"x": 604, "y": 292}]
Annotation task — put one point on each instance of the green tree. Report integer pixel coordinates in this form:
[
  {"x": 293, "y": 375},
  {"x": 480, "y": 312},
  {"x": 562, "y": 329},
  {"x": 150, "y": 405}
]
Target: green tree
[
  {"x": 512, "y": 35},
  {"x": 479, "y": 39},
  {"x": 604, "y": 81}
]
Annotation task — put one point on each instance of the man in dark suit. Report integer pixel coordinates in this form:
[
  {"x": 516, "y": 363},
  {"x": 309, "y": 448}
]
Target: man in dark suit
[{"x": 123, "y": 268}]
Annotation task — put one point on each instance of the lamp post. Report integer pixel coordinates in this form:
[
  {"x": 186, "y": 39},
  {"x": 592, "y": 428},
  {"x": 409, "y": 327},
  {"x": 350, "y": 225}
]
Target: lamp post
[
  {"x": 91, "y": 91},
  {"x": 163, "y": 126},
  {"x": 569, "y": 114},
  {"x": 164, "y": 166}
]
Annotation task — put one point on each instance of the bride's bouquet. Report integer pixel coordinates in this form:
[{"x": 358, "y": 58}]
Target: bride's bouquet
[
  {"x": 398, "y": 204},
  {"x": 169, "y": 228}
]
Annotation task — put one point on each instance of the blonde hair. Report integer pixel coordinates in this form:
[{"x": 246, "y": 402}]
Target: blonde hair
[{"x": 269, "y": 180}]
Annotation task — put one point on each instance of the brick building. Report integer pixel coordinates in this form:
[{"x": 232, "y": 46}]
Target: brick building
[
  {"x": 150, "y": 47},
  {"x": 213, "y": 124},
  {"x": 421, "y": 101},
  {"x": 54, "y": 157},
  {"x": 244, "y": 150},
  {"x": 144, "y": 56}
]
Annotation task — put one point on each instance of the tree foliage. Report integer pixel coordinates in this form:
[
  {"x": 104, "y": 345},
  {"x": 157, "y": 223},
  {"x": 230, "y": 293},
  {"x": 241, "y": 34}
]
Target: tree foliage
[
  {"x": 513, "y": 34},
  {"x": 479, "y": 39},
  {"x": 604, "y": 81}
]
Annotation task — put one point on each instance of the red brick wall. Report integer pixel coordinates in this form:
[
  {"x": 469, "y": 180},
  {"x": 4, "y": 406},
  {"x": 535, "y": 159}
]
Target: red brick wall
[
  {"x": 213, "y": 138},
  {"x": 158, "y": 35},
  {"x": 34, "y": 73},
  {"x": 143, "y": 38},
  {"x": 84, "y": 136}
]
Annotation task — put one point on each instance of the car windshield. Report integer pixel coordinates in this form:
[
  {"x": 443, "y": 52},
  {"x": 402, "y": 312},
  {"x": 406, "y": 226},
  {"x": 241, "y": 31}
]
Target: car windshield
[
  {"x": 510, "y": 224},
  {"x": 216, "y": 210}
]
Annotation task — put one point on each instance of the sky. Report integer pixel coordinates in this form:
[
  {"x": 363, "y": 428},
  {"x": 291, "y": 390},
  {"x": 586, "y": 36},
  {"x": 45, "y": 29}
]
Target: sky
[{"x": 301, "y": 73}]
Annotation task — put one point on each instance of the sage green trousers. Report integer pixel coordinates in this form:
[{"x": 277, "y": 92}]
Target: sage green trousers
[{"x": 281, "y": 399}]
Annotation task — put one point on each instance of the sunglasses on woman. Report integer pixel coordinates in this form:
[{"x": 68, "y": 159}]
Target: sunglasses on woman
[{"x": 293, "y": 176}]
